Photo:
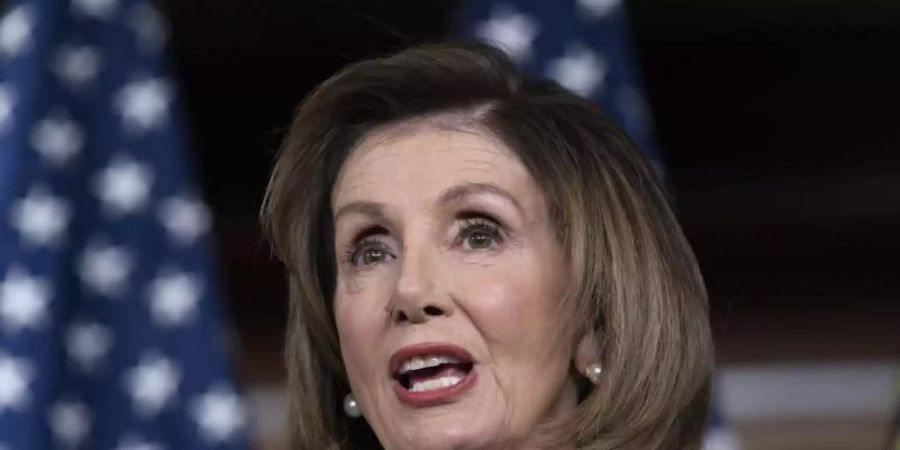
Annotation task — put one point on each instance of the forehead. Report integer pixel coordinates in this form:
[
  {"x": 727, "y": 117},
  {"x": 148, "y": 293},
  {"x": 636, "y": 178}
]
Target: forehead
[{"x": 422, "y": 160}]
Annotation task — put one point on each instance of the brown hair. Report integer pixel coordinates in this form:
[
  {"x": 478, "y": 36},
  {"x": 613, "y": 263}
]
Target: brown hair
[{"x": 635, "y": 282}]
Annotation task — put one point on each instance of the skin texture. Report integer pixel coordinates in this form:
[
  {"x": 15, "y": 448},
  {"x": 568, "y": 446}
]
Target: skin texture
[{"x": 427, "y": 271}]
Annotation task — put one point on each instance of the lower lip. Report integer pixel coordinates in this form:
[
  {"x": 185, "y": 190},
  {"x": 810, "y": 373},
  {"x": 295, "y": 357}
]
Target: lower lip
[{"x": 435, "y": 397}]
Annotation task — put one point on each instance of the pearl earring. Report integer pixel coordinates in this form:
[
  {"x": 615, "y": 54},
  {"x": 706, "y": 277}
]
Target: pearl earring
[
  {"x": 351, "y": 408},
  {"x": 593, "y": 371}
]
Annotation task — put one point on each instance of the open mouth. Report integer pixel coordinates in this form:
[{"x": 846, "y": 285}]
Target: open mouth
[
  {"x": 432, "y": 372},
  {"x": 428, "y": 374}
]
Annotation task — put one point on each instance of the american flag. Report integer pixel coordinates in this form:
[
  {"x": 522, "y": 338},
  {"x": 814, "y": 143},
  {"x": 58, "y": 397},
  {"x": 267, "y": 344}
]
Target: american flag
[
  {"x": 110, "y": 334},
  {"x": 584, "y": 45}
]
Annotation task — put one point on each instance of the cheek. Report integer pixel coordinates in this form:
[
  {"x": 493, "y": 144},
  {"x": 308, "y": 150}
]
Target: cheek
[
  {"x": 514, "y": 306},
  {"x": 359, "y": 310},
  {"x": 513, "y": 300}
]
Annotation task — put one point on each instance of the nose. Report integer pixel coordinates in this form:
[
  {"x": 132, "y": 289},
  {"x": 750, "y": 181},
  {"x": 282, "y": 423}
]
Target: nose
[{"x": 416, "y": 297}]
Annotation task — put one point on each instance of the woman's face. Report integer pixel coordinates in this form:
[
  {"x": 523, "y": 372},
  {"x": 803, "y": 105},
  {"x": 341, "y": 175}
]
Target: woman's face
[{"x": 448, "y": 287}]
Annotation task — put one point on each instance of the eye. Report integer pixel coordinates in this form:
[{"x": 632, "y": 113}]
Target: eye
[
  {"x": 367, "y": 252},
  {"x": 368, "y": 248},
  {"x": 479, "y": 240},
  {"x": 479, "y": 233},
  {"x": 371, "y": 256}
]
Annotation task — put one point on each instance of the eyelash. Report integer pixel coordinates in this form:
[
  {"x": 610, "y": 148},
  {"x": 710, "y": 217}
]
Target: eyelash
[
  {"x": 467, "y": 228},
  {"x": 478, "y": 224}
]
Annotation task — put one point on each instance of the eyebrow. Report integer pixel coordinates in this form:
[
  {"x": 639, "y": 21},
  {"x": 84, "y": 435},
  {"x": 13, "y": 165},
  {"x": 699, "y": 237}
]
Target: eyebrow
[
  {"x": 365, "y": 207},
  {"x": 453, "y": 194},
  {"x": 457, "y": 193}
]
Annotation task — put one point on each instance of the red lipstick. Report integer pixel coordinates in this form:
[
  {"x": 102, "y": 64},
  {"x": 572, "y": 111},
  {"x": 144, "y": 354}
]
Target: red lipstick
[{"x": 466, "y": 367}]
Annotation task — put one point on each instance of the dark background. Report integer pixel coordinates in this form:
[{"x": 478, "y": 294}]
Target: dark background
[{"x": 778, "y": 124}]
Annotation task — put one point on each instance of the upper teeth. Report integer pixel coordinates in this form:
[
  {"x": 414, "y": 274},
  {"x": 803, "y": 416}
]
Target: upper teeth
[{"x": 422, "y": 362}]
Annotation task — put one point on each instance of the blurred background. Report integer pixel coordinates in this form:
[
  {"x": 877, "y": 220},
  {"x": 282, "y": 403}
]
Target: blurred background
[{"x": 775, "y": 122}]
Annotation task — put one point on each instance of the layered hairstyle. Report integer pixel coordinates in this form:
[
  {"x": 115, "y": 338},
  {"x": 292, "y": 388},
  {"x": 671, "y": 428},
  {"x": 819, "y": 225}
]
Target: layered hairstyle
[{"x": 634, "y": 281}]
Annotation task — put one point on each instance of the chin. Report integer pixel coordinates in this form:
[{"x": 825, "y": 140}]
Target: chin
[
  {"x": 449, "y": 431},
  {"x": 449, "y": 439}
]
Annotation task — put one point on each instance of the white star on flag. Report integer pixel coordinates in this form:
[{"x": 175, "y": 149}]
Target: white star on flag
[
  {"x": 174, "y": 297},
  {"x": 124, "y": 185},
  {"x": 149, "y": 27},
  {"x": 134, "y": 443},
  {"x": 598, "y": 8},
  {"x": 57, "y": 138},
  {"x": 6, "y": 107},
  {"x": 219, "y": 413},
  {"x": 105, "y": 268},
  {"x": 143, "y": 105},
  {"x": 23, "y": 300},
  {"x": 15, "y": 375},
  {"x": 511, "y": 31},
  {"x": 40, "y": 217},
  {"x": 152, "y": 384},
  {"x": 77, "y": 65},
  {"x": 580, "y": 70},
  {"x": 70, "y": 422},
  {"x": 15, "y": 31},
  {"x": 185, "y": 219},
  {"x": 86, "y": 343},
  {"x": 99, "y": 9}
]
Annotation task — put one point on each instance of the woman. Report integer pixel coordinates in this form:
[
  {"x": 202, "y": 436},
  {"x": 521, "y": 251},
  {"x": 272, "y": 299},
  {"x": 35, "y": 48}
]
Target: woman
[{"x": 477, "y": 260}]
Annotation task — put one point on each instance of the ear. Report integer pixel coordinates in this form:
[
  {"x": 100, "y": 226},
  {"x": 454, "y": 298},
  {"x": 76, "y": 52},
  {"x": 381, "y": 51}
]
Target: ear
[{"x": 587, "y": 351}]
